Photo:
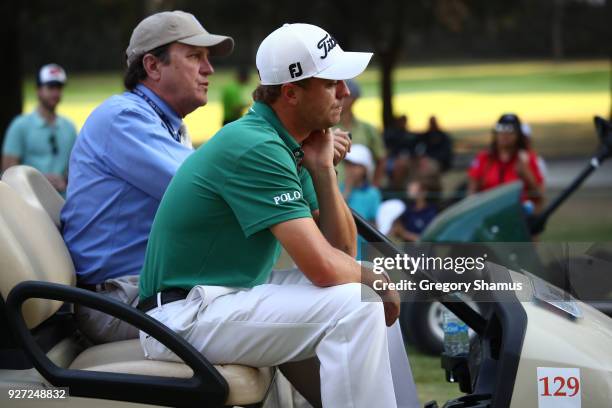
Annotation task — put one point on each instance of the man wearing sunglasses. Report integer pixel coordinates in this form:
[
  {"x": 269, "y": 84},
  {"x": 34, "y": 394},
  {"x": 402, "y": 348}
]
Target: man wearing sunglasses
[{"x": 43, "y": 139}]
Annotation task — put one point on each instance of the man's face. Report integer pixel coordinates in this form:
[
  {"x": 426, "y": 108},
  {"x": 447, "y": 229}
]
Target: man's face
[
  {"x": 320, "y": 102},
  {"x": 50, "y": 96},
  {"x": 355, "y": 172},
  {"x": 184, "y": 80}
]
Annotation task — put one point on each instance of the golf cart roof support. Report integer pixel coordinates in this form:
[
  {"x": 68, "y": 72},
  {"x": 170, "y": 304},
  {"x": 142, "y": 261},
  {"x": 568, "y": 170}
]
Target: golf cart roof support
[
  {"x": 604, "y": 132},
  {"x": 207, "y": 388}
]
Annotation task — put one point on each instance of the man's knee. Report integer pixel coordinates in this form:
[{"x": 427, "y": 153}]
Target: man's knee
[{"x": 358, "y": 298}]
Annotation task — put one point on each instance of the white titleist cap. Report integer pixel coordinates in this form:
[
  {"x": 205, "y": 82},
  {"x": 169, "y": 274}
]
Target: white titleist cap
[{"x": 298, "y": 51}]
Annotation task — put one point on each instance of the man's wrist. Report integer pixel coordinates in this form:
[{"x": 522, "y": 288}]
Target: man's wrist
[
  {"x": 323, "y": 171},
  {"x": 369, "y": 277}
]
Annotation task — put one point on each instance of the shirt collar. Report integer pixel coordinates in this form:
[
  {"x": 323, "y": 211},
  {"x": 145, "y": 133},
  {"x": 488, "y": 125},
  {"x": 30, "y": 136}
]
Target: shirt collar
[
  {"x": 173, "y": 117},
  {"x": 266, "y": 112},
  {"x": 40, "y": 121}
]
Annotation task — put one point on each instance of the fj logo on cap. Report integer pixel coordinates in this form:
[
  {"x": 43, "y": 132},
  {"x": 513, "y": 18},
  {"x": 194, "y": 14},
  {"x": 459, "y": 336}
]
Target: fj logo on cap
[
  {"x": 295, "y": 70},
  {"x": 326, "y": 44}
]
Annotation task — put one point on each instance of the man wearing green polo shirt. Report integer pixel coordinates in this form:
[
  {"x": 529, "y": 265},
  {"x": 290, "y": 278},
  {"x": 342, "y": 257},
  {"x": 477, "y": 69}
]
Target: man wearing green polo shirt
[
  {"x": 264, "y": 180},
  {"x": 42, "y": 139}
]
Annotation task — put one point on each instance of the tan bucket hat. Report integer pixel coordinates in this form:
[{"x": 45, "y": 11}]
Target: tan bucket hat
[{"x": 170, "y": 26}]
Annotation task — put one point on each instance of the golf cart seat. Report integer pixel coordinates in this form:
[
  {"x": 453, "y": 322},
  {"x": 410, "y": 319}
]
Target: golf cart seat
[
  {"x": 36, "y": 278},
  {"x": 36, "y": 190},
  {"x": 247, "y": 384}
]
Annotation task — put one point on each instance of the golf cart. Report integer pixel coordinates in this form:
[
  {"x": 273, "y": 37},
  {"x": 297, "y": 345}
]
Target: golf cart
[
  {"x": 496, "y": 216},
  {"x": 43, "y": 357},
  {"x": 44, "y": 361}
]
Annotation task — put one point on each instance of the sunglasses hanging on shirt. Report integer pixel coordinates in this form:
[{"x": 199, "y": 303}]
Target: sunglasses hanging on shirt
[{"x": 53, "y": 143}]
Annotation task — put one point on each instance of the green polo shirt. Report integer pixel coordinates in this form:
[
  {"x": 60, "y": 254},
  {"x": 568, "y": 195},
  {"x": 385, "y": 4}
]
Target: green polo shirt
[
  {"x": 36, "y": 143},
  {"x": 213, "y": 223}
]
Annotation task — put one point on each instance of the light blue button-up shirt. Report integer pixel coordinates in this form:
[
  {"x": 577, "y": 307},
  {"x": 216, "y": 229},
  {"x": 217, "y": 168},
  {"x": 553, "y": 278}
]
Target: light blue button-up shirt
[{"x": 120, "y": 167}]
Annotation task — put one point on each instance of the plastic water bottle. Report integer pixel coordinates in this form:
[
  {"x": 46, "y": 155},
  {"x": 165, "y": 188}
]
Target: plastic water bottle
[
  {"x": 456, "y": 337},
  {"x": 528, "y": 207}
]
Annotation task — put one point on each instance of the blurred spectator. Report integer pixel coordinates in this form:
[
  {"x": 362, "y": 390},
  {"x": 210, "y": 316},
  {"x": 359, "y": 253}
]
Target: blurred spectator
[
  {"x": 541, "y": 162},
  {"x": 234, "y": 96},
  {"x": 357, "y": 189},
  {"x": 397, "y": 137},
  {"x": 424, "y": 195},
  {"x": 436, "y": 145},
  {"x": 400, "y": 143},
  {"x": 507, "y": 159},
  {"x": 362, "y": 133},
  {"x": 43, "y": 139}
]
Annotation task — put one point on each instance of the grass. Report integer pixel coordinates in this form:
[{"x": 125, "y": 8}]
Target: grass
[
  {"x": 467, "y": 98},
  {"x": 429, "y": 378},
  {"x": 584, "y": 217},
  {"x": 495, "y": 78}
]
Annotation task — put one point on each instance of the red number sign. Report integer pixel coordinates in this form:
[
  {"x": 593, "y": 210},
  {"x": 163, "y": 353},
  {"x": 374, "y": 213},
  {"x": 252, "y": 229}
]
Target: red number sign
[{"x": 563, "y": 387}]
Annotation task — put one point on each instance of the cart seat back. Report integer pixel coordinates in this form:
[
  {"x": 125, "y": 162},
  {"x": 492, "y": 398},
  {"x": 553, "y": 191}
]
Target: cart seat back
[
  {"x": 32, "y": 249},
  {"x": 36, "y": 190}
]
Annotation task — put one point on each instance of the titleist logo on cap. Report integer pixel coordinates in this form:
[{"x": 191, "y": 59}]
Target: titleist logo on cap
[{"x": 326, "y": 43}]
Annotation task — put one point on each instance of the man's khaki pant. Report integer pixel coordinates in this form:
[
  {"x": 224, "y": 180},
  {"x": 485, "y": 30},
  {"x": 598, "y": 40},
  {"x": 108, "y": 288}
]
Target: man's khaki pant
[{"x": 103, "y": 328}]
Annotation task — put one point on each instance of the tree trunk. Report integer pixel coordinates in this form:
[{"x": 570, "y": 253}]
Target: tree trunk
[
  {"x": 387, "y": 63},
  {"x": 11, "y": 102},
  {"x": 557, "y": 29},
  {"x": 610, "y": 117},
  {"x": 389, "y": 54}
]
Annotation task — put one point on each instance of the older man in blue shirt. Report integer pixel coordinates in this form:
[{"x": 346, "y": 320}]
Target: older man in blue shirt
[{"x": 126, "y": 154}]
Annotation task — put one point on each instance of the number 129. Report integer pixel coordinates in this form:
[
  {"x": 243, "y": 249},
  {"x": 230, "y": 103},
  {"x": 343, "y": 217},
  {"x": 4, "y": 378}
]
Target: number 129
[{"x": 571, "y": 385}]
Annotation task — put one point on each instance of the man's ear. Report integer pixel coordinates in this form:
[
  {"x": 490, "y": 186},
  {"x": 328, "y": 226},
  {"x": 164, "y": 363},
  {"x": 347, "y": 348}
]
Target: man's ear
[
  {"x": 290, "y": 93},
  {"x": 152, "y": 66}
]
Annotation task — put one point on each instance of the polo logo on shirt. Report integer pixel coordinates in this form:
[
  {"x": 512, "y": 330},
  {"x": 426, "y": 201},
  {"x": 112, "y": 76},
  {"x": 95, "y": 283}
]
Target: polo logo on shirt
[{"x": 286, "y": 197}]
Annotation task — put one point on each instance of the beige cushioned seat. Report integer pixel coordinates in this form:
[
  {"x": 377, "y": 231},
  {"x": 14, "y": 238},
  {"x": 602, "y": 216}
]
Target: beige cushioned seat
[
  {"x": 32, "y": 249},
  {"x": 36, "y": 190},
  {"x": 247, "y": 384}
]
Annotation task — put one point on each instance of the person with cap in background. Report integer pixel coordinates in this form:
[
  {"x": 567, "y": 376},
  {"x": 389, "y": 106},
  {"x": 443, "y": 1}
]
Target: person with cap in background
[
  {"x": 43, "y": 139},
  {"x": 508, "y": 159},
  {"x": 127, "y": 152},
  {"x": 268, "y": 180},
  {"x": 357, "y": 188},
  {"x": 362, "y": 133}
]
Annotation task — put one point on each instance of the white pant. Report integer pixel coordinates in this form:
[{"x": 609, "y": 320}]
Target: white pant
[{"x": 362, "y": 363}]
